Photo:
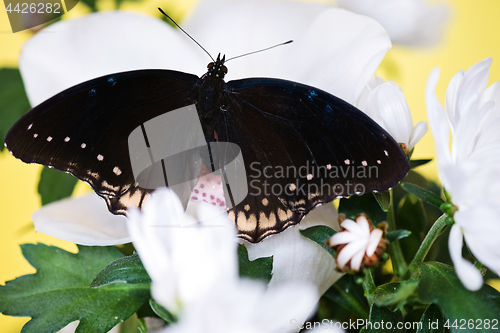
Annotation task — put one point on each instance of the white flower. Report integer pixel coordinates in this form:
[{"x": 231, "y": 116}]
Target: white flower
[
  {"x": 71, "y": 327},
  {"x": 333, "y": 49},
  {"x": 469, "y": 171},
  {"x": 360, "y": 241},
  {"x": 82, "y": 220},
  {"x": 408, "y": 22},
  {"x": 385, "y": 103},
  {"x": 299, "y": 259},
  {"x": 248, "y": 308},
  {"x": 184, "y": 259},
  {"x": 194, "y": 272}
]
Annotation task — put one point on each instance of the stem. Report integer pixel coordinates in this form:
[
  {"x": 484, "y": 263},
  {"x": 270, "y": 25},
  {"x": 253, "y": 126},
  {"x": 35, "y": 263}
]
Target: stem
[
  {"x": 436, "y": 230},
  {"x": 399, "y": 265},
  {"x": 142, "y": 326},
  {"x": 369, "y": 286}
]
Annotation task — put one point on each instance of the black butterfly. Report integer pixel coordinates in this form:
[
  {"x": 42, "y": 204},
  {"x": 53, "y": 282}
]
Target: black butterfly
[{"x": 278, "y": 124}]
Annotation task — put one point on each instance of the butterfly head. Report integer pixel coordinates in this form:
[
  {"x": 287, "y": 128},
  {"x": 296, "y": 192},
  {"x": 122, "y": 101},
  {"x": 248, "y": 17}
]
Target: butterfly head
[{"x": 217, "y": 69}]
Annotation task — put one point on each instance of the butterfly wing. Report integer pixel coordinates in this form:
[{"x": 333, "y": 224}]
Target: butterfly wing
[
  {"x": 84, "y": 130},
  {"x": 302, "y": 147}
]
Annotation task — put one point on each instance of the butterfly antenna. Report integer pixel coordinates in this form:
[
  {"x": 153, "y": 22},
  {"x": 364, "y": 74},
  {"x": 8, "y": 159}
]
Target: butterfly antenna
[
  {"x": 178, "y": 26},
  {"x": 267, "y": 48}
]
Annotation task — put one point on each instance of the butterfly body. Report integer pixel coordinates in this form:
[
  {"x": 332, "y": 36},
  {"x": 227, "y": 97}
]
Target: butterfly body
[
  {"x": 211, "y": 99},
  {"x": 301, "y": 146}
]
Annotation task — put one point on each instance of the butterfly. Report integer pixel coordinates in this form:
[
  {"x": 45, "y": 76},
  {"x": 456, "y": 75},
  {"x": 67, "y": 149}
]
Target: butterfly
[{"x": 299, "y": 146}]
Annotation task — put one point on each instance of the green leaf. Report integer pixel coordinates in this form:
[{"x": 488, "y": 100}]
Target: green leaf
[
  {"x": 92, "y": 4},
  {"x": 432, "y": 320},
  {"x": 55, "y": 185},
  {"x": 59, "y": 292},
  {"x": 440, "y": 285},
  {"x": 127, "y": 269},
  {"x": 395, "y": 294},
  {"x": 319, "y": 234},
  {"x": 395, "y": 235},
  {"x": 423, "y": 194},
  {"x": 417, "y": 163},
  {"x": 13, "y": 100},
  {"x": 162, "y": 312},
  {"x": 348, "y": 294},
  {"x": 383, "y": 320},
  {"x": 260, "y": 269},
  {"x": 383, "y": 199},
  {"x": 365, "y": 203},
  {"x": 410, "y": 215}
]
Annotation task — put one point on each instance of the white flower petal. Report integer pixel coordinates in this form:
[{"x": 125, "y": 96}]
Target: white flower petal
[
  {"x": 451, "y": 97},
  {"x": 469, "y": 275},
  {"x": 364, "y": 226},
  {"x": 481, "y": 229},
  {"x": 344, "y": 64},
  {"x": 353, "y": 227},
  {"x": 71, "y": 327},
  {"x": 248, "y": 308},
  {"x": 356, "y": 260},
  {"x": 395, "y": 112},
  {"x": 437, "y": 120},
  {"x": 82, "y": 220},
  {"x": 386, "y": 104},
  {"x": 375, "y": 237},
  {"x": 350, "y": 250},
  {"x": 264, "y": 24},
  {"x": 295, "y": 301},
  {"x": 409, "y": 22},
  {"x": 183, "y": 262},
  {"x": 299, "y": 259},
  {"x": 333, "y": 49},
  {"x": 343, "y": 238},
  {"x": 417, "y": 133},
  {"x": 72, "y": 51}
]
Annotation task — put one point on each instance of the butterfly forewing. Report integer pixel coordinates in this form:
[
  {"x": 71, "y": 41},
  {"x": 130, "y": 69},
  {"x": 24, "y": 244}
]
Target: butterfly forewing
[{"x": 84, "y": 130}]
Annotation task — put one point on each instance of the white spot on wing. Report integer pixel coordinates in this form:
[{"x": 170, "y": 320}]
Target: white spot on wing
[
  {"x": 309, "y": 176},
  {"x": 117, "y": 171},
  {"x": 328, "y": 166},
  {"x": 83, "y": 145},
  {"x": 49, "y": 138},
  {"x": 30, "y": 126},
  {"x": 35, "y": 135},
  {"x": 66, "y": 139},
  {"x": 364, "y": 163},
  {"x": 100, "y": 157},
  {"x": 347, "y": 162},
  {"x": 386, "y": 153},
  {"x": 109, "y": 187},
  {"x": 379, "y": 161}
]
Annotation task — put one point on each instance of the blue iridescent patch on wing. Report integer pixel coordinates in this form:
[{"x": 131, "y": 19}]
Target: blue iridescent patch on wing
[
  {"x": 112, "y": 80},
  {"x": 311, "y": 94},
  {"x": 328, "y": 108}
]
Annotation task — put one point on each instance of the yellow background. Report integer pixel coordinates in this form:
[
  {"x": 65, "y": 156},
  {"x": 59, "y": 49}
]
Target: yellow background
[{"x": 471, "y": 35}]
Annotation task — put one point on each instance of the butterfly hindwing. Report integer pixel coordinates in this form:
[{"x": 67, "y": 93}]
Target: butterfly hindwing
[{"x": 304, "y": 147}]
